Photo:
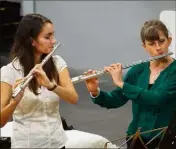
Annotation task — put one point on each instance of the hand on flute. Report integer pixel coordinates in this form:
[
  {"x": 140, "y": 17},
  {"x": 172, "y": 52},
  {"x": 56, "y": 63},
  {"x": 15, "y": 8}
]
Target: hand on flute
[
  {"x": 20, "y": 95},
  {"x": 41, "y": 77},
  {"x": 93, "y": 83},
  {"x": 115, "y": 70}
]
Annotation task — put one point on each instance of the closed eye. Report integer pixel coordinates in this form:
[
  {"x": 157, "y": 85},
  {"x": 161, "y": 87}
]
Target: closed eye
[{"x": 48, "y": 35}]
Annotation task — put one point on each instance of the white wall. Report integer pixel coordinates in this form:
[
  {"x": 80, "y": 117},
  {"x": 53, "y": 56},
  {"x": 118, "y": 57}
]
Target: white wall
[
  {"x": 27, "y": 7},
  {"x": 169, "y": 18},
  {"x": 98, "y": 33}
]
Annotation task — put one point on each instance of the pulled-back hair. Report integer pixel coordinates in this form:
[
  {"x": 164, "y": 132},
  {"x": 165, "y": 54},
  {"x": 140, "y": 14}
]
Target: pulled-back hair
[{"x": 150, "y": 30}]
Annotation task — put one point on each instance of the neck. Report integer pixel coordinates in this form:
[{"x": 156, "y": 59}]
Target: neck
[
  {"x": 162, "y": 63},
  {"x": 37, "y": 58}
]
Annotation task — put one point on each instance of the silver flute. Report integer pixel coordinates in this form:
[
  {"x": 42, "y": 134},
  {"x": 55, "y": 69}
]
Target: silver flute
[
  {"x": 102, "y": 72},
  {"x": 30, "y": 76}
]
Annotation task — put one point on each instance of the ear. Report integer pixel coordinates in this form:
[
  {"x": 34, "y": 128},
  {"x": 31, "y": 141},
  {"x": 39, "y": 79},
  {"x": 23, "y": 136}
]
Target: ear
[
  {"x": 33, "y": 42},
  {"x": 144, "y": 46},
  {"x": 169, "y": 40}
]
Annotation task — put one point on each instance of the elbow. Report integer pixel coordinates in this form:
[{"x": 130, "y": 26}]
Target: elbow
[
  {"x": 74, "y": 99},
  {"x": 2, "y": 124}
]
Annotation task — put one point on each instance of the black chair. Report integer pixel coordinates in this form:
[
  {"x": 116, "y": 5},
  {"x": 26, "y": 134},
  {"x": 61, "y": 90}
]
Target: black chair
[
  {"x": 3, "y": 61},
  {"x": 65, "y": 125}
]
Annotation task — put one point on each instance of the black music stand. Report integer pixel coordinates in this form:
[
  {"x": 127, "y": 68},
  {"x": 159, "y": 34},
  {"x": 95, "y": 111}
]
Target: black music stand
[
  {"x": 140, "y": 144},
  {"x": 169, "y": 139}
]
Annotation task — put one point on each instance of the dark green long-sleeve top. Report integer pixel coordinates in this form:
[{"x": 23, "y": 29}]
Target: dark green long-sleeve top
[{"x": 151, "y": 108}]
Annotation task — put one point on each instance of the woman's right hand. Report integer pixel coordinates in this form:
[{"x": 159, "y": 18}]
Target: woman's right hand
[
  {"x": 92, "y": 84},
  {"x": 20, "y": 95}
]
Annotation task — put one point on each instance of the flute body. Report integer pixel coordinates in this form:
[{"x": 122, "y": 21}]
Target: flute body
[
  {"x": 102, "y": 72},
  {"x": 29, "y": 77}
]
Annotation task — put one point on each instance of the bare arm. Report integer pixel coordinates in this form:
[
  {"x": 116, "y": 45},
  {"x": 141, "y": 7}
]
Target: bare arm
[
  {"x": 66, "y": 90},
  {"x": 7, "y": 106},
  {"x": 7, "y": 112}
]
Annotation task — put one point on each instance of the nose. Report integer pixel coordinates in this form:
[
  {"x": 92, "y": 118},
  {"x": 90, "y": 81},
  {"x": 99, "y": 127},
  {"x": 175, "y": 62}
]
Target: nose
[
  {"x": 53, "y": 40},
  {"x": 158, "y": 46}
]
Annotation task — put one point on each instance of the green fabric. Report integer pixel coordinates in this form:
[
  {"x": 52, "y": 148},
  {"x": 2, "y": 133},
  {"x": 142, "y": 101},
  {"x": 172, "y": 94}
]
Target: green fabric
[{"x": 151, "y": 108}]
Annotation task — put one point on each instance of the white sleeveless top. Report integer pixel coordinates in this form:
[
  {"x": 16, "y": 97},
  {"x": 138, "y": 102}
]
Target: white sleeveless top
[{"x": 36, "y": 119}]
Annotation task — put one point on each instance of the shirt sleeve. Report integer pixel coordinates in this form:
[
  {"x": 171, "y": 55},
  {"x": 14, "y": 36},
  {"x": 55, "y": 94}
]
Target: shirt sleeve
[
  {"x": 115, "y": 98},
  {"x": 7, "y": 75},
  {"x": 59, "y": 62},
  {"x": 165, "y": 92},
  {"x": 97, "y": 95}
]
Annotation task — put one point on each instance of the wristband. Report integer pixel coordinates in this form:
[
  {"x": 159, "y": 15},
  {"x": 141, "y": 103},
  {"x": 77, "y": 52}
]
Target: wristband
[{"x": 53, "y": 88}]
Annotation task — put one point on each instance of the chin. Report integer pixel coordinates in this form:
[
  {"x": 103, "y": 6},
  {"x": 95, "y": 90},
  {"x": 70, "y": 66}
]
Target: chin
[{"x": 47, "y": 51}]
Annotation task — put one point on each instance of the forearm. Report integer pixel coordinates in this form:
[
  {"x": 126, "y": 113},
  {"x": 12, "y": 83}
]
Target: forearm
[
  {"x": 109, "y": 100},
  {"x": 68, "y": 94},
  {"x": 7, "y": 112}
]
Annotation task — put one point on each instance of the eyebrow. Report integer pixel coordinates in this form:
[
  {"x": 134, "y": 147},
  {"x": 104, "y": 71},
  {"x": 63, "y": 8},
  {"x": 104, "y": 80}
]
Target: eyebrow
[{"x": 50, "y": 33}]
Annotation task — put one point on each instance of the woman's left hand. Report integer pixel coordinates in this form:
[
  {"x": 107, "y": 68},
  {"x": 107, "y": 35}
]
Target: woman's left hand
[
  {"x": 116, "y": 72},
  {"x": 41, "y": 76}
]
